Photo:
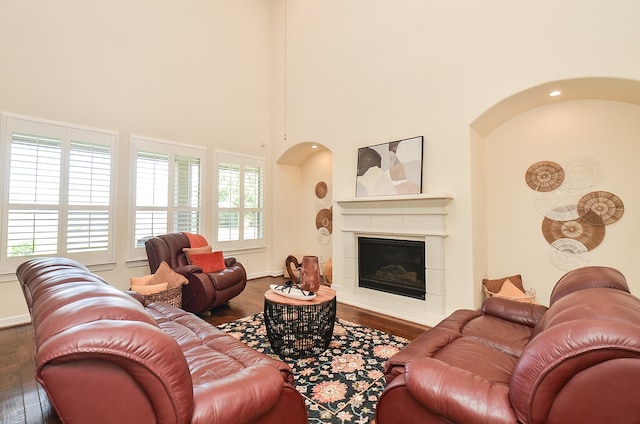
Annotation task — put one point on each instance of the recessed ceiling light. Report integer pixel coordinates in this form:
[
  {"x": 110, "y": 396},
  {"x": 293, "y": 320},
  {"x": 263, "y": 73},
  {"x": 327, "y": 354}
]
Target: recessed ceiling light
[
  {"x": 314, "y": 146},
  {"x": 555, "y": 93}
]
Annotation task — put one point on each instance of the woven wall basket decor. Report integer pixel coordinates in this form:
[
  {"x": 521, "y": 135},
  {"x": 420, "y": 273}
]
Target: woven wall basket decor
[
  {"x": 544, "y": 176},
  {"x": 581, "y": 172},
  {"x": 560, "y": 204},
  {"x": 568, "y": 254},
  {"x": 607, "y": 208},
  {"x": 584, "y": 231},
  {"x": 324, "y": 219}
]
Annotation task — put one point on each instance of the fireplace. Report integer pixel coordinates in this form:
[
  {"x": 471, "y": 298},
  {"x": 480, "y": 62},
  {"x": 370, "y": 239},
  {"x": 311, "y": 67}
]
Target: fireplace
[
  {"x": 392, "y": 266},
  {"x": 415, "y": 218}
]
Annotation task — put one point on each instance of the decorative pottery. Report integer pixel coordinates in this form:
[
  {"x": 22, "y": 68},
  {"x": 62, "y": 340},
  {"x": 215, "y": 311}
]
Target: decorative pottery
[
  {"x": 310, "y": 274},
  {"x": 328, "y": 272},
  {"x": 293, "y": 268}
]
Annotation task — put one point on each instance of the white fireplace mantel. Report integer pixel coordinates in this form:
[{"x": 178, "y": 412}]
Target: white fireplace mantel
[
  {"x": 407, "y": 202},
  {"x": 413, "y": 217}
]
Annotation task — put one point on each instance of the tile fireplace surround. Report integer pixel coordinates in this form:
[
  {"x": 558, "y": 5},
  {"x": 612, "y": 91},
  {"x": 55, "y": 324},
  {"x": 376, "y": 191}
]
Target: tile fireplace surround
[{"x": 415, "y": 217}]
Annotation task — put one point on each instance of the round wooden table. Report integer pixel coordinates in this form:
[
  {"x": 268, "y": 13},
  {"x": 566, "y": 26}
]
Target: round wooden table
[{"x": 300, "y": 328}]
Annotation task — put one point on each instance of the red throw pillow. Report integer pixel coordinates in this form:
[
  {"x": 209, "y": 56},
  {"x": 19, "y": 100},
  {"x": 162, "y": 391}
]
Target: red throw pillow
[{"x": 209, "y": 262}]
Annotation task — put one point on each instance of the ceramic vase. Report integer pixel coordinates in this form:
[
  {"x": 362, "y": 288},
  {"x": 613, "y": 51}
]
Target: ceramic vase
[{"x": 310, "y": 274}]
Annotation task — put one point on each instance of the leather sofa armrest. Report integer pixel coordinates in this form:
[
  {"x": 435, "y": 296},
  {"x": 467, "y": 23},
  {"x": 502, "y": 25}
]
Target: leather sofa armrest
[
  {"x": 228, "y": 261},
  {"x": 519, "y": 312},
  {"x": 456, "y": 394},
  {"x": 188, "y": 269},
  {"x": 136, "y": 360},
  {"x": 137, "y": 296}
]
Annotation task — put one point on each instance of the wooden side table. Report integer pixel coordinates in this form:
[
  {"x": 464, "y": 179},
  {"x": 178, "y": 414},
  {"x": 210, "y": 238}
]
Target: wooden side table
[{"x": 300, "y": 328}]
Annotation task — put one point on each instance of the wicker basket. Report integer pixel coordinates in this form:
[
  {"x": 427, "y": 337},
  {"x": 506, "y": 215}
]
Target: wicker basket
[
  {"x": 172, "y": 297},
  {"x": 527, "y": 296}
]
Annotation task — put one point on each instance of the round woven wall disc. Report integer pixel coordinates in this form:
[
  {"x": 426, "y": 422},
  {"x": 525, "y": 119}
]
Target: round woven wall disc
[
  {"x": 544, "y": 176},
  {"x": 579, "y": 229},
  {"x": 323, "y": 203},
  {"x": 324, "y": 237},
  {"x": 607, "y": 206},
  {"x": 321, "y": 190},
  {"x": 581, "y": 172},
  {"x": 560, "y": 204},
  {"x": 568, "y": 254},
  {"x": 324, "y": 219}
]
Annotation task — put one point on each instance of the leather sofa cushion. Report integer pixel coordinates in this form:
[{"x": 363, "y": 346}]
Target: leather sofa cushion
[
  {"x": 246, "y": 383},
  {"x": 498, "y": 334},
  {"x": 483, "y": 345},
  {"x": 481, "y": 360}
]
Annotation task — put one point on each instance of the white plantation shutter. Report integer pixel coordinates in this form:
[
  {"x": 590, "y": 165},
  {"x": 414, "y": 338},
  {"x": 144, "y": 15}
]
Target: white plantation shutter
[
  {"x": 168, "y": 191},
  {"x": 88, "y": 221},
  {"x": 240, "y": 215},
  {"x": 253, "y": 198},
  {"x": 152, "y": 178},
  {"x": 59, "y": 189},
  {"x": 34, "y": 195},
  {"x": 187, "y": 189},
  {"x": 228, "y": 201}
]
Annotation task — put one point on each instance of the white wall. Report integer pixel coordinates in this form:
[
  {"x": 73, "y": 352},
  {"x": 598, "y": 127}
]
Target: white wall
[
  {"x": 194, "y": 72},
  {"x": 358, "y": 73},
  {"x": 362, "y": 72},
  {"x": 605, "y": 130}
]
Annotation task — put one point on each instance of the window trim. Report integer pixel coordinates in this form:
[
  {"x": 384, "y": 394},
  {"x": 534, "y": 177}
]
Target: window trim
[
  {"x": 11, "y": 123},
  {"x": 172, "y": 149},
  {"x": 243, "y": 160}
]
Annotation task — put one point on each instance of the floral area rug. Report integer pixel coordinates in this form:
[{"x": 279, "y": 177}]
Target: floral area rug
[{"x": 341, "y": 385}]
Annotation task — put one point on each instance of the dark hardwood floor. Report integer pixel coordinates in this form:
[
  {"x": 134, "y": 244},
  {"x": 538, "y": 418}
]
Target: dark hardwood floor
[{"x": 23, "y": 401}]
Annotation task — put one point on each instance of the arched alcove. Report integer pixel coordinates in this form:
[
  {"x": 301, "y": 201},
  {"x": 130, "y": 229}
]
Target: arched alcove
[
  {"x": 616, "y": 89},
  {"x": 298, "y": 154},
  {"x": 598, "y": 117},
  {"x": 304, "y": 185}
]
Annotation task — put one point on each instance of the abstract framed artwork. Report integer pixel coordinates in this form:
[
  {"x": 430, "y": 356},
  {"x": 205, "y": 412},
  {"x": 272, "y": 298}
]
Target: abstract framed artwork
[{"x": 392, "y": 168}]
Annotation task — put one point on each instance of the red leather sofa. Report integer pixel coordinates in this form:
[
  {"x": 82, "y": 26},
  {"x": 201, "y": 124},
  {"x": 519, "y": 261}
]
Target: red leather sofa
[
  {"x": 103, "y": 356},
  {"x": 205, "y": 290},
  {"x": 577, "y": 361}
]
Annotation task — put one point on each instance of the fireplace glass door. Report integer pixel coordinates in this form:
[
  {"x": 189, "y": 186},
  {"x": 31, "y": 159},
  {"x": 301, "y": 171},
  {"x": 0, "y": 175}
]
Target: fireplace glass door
[{"x": 392, "y": 266}]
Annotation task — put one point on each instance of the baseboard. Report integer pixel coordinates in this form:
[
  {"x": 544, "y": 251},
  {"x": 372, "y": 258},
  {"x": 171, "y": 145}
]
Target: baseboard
[
  {"x": 15, "y": 320},
  {"x": 252, "y": 276}
]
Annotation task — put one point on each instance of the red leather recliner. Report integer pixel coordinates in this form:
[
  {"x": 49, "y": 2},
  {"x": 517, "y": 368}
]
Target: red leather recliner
[{"x": 205, "y": 290}]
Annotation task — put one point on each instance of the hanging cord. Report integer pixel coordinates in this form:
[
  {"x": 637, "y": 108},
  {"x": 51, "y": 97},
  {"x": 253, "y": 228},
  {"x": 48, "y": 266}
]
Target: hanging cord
[{"x": 285, "y": 70}]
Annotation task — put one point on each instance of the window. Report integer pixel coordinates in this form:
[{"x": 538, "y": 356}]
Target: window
[
  {"x": 168, "y": 190},
  {"x": 57, "y": 192},
  {"x": 240, "y": 211}
]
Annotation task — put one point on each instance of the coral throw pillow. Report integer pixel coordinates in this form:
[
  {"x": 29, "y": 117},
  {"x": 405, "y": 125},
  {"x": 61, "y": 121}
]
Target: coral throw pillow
[
  {"x": 209, "y": 262},
  {"x": 510, "y": 291},
  {"x": 164, "y": 274},
  {"x": 196, "y": 250},
  {"x": 141, "y": 281},
  {"x": 146, "y": 290}
]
